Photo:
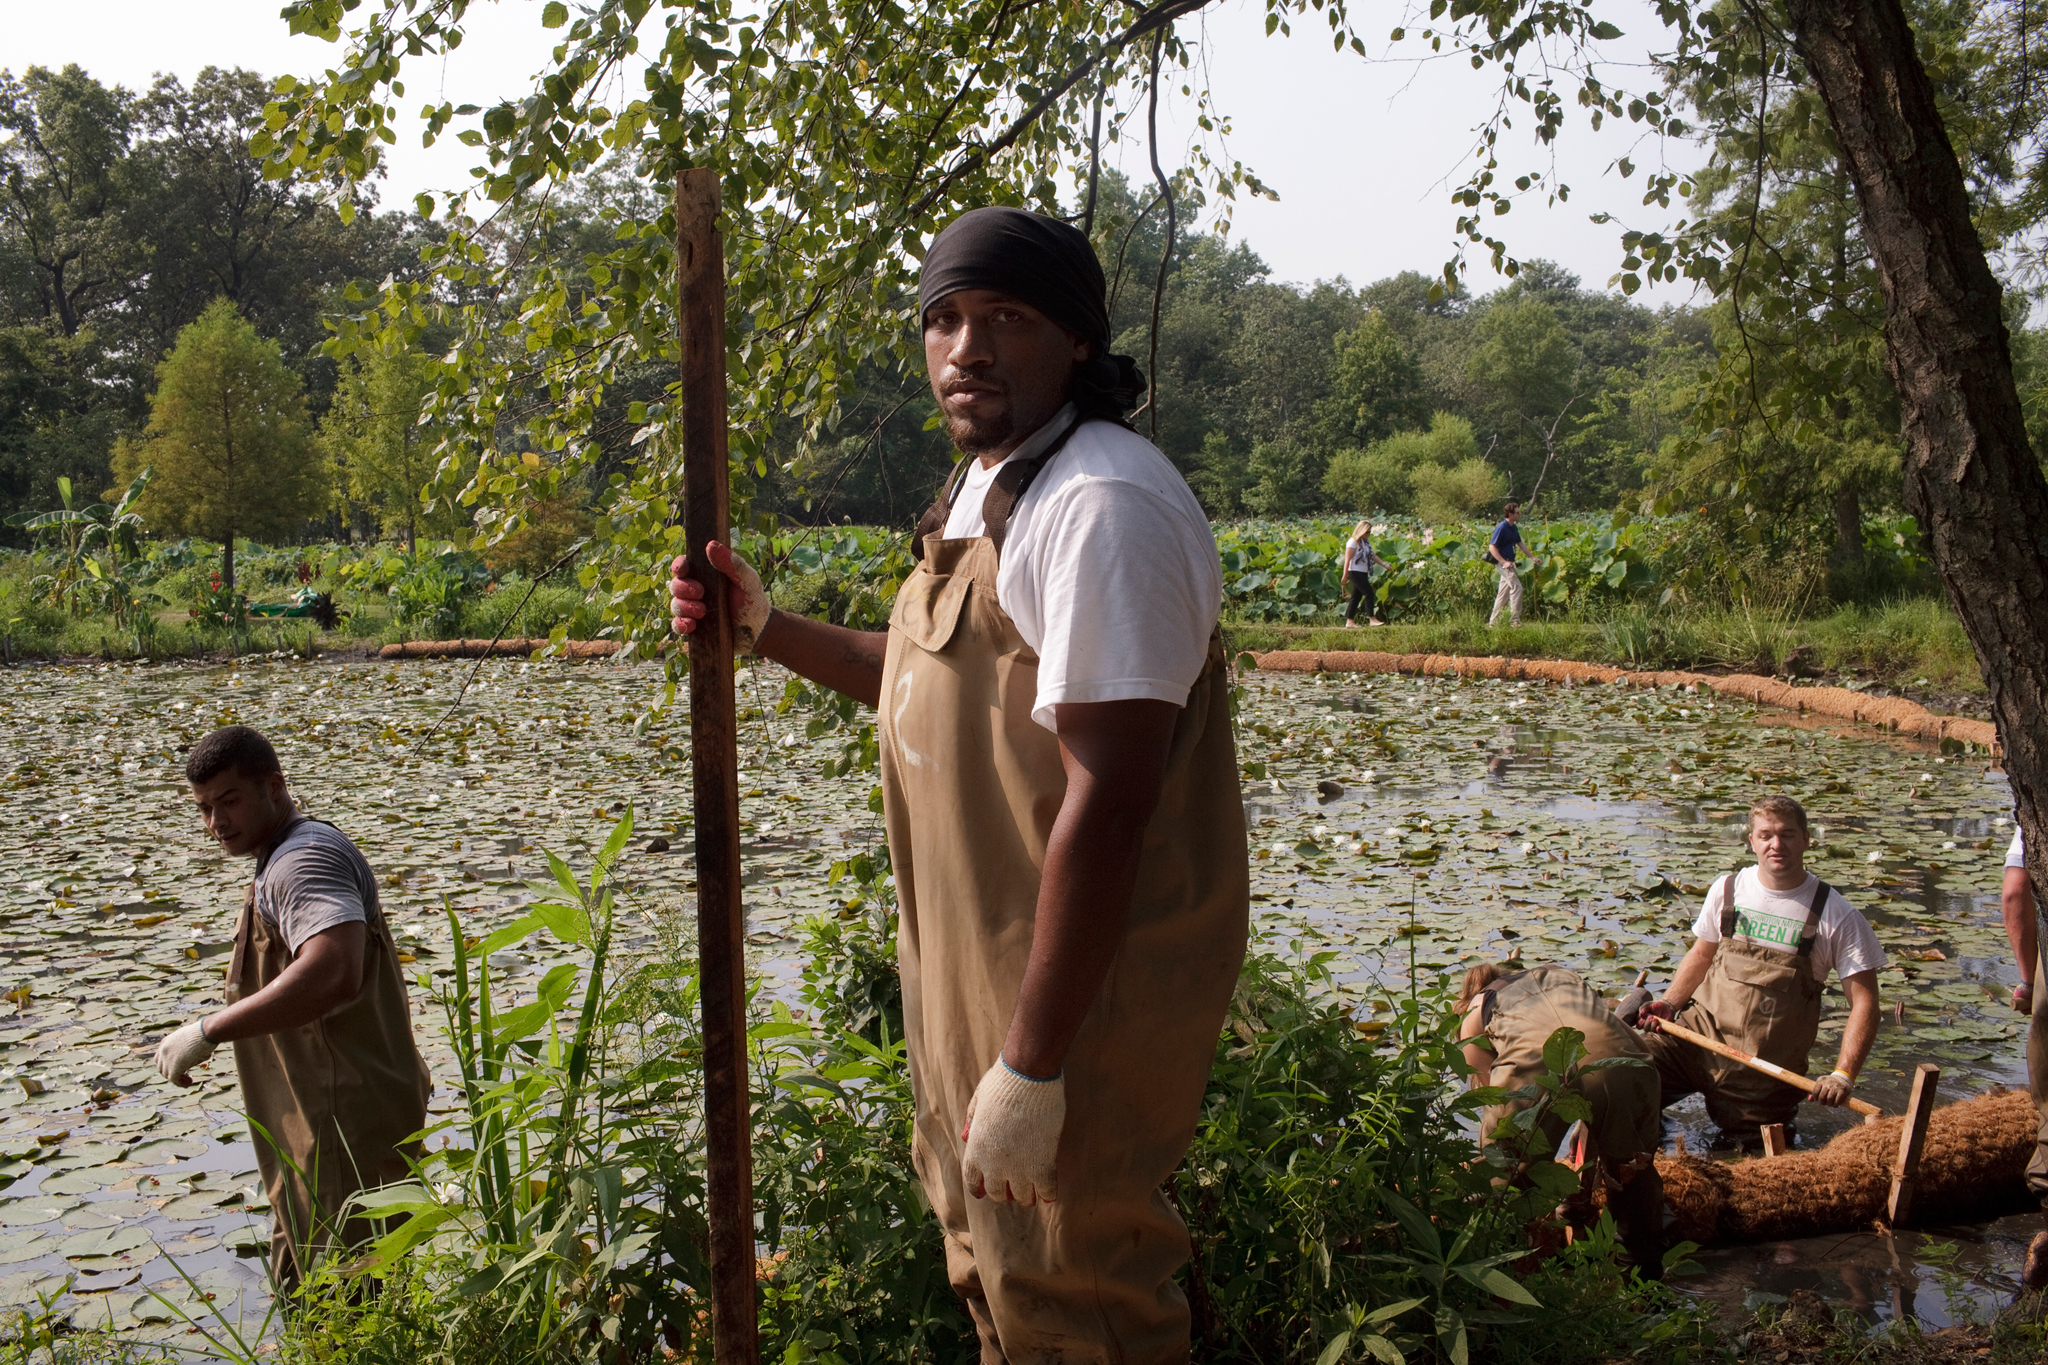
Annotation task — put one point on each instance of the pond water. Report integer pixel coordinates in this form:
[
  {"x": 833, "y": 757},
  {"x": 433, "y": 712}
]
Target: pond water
[{"x": 1437, "y": 821}]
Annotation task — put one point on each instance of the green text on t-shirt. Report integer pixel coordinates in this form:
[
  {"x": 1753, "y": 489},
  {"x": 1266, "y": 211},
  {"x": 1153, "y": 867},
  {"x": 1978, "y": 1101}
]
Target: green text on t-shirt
[{"x": 1763, "y": 928}]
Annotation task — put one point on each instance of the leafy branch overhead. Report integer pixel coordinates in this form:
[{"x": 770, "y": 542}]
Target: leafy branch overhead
[{"x": 845, "y": 135}]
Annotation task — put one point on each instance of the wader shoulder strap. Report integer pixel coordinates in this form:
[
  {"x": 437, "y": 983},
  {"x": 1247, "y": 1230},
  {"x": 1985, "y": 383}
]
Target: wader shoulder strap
[
  {"x": 1821, "y": 891},
  {"x": 1011, "y": 483},
  {"x": 934, "y": 519},
  {"x": 1728, "y": 906}
]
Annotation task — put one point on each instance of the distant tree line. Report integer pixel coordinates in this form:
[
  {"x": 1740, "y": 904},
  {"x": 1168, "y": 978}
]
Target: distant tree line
[{"x": 126, "y": 219}]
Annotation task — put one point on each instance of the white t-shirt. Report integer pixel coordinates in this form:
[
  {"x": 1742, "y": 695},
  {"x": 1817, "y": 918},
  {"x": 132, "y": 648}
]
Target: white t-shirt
[
  {"x": 1846, "y": 943},
  {"x": 2016, "y": 856},
  {"x": 1109, "y": 568}
]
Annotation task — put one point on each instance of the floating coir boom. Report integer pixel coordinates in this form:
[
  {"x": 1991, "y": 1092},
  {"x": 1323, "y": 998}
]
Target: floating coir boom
[
  {"x": 481, "y": 649},
  {"x": 1975, "y": 1162},
  {"x": 1892, "y": 713}
]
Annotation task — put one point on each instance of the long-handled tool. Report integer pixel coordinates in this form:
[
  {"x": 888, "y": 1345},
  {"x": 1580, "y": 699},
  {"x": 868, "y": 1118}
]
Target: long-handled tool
[
  {"x": 1771, "y": 1069},
  {"x": 714, "y": 773}
]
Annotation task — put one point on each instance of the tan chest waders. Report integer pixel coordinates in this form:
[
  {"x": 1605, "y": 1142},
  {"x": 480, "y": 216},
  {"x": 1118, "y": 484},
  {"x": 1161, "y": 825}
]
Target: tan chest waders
[
  {"x": 337, "y": 1098},
  {"x": 1757, "y": 998},
  {"x": 1520, "y": 1014},
  {"x": 971, "y": 787}
]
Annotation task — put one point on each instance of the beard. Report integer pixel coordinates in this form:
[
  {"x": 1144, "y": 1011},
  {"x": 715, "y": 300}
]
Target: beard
[{"x": 978, "y": 436}]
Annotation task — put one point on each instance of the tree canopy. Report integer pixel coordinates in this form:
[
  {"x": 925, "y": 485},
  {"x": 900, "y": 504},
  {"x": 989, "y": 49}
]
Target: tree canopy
[{"x": 228, "y": 439}]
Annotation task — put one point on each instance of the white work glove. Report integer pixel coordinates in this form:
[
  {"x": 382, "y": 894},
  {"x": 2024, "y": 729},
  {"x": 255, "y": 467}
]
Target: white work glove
[
  {"x": 1013, "y": 1135},
  {"x": 2023, "y": 997},
  {"x": 182, "y": 1050},
  {"x": 1833, "y": 1089},
  {"x": 749, "y": 596}
]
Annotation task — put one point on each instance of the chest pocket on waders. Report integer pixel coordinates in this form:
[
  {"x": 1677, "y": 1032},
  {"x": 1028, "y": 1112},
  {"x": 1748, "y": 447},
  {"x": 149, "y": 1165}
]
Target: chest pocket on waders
[
  {"x": 930, "y": 602},
  {"x": 1781, "y": 997}
]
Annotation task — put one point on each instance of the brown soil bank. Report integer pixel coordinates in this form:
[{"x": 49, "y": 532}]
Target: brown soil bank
[
  {"x": 481, "y": 649},
  {"x": 1902, "y": 717}
]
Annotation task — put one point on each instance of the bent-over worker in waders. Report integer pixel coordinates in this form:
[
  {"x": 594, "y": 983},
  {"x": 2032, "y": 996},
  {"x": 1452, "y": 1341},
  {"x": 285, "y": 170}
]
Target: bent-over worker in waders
[
  {"x": 1509, "y": 1016},
  {"x": 1765, "y": 941},
  {"x": 1062, "y": 801},
  {"x": 316, "y": 1006}
]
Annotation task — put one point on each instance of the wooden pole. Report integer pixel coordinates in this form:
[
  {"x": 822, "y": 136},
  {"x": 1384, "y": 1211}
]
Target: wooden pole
[
  {"x": 1774, "y": 1139},
  {"x": 1906, "y": 1169},
  {"x": 714, "y": 777},
  {"x": 1736, "y": 1054}
]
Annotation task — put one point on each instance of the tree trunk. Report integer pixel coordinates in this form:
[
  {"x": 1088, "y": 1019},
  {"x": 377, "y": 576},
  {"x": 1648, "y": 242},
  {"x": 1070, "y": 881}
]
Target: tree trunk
[
  {"x": 1971, "y": 478},
  {"x": 1848, "y": 526}
]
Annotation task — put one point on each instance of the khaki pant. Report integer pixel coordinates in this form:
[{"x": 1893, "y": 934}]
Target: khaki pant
[
  {"x": 2037, "y": 1065},
  {"x": 1508, "y": 597},
  {"x": 971, "y": 786}
]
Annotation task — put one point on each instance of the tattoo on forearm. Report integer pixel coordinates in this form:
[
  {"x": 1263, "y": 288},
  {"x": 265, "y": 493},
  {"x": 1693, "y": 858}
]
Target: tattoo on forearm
[{"x": 864, "y": 657}]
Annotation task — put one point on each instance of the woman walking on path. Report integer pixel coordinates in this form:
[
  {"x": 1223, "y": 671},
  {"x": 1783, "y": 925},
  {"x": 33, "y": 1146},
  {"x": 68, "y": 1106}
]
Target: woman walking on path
[{"x": 1358, "y": 564}]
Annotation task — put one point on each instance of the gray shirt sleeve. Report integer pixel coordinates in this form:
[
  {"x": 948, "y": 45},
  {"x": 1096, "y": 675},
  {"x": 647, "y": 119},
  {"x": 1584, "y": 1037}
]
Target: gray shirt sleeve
[{"x": 313, "y": 883}]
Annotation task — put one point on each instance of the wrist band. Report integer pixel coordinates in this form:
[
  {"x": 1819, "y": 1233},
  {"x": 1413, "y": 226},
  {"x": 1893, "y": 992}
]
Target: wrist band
[
  {"x": 202, "y": 1030},
  {"x": 1035, "y": 1080},
  {"x": 1843, "y": 1074}
]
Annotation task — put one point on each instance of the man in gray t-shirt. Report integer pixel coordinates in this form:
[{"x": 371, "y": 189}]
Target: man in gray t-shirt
[
  {"x": 316, "y": 1008},
  {"x": 313, "y": 879}
]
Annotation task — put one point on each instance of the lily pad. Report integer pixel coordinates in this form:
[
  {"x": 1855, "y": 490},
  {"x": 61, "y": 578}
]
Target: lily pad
[{"x": 104, "y": 1242}]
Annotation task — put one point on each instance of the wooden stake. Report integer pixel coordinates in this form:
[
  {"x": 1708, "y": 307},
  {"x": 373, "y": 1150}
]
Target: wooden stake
[
  {"x": 1736, "y": 1054},
  {"x": 1906, "y": 1169},
  {"x": 1774, "y": 1139},
  {"x": 714, "y": 775}
]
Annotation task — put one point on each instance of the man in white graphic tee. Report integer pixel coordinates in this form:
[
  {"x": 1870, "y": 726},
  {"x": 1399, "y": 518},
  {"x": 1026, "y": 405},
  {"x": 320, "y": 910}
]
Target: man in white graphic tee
[{"x": 1766, "y": 941}]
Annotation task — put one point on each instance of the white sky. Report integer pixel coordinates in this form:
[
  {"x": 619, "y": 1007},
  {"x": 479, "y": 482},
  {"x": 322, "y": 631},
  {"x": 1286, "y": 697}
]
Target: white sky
[{"x": 1363, "y": 155}]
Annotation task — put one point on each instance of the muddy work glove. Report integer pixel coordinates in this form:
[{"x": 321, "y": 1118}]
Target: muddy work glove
[
  {"x": 182, "y": 1050},
  {"x": 749, "y": 597},
  {"x": 1833, "y": 1089},
  {"x": 1651, "y": 1013},
  {"x": 1013, "y": 1135}
]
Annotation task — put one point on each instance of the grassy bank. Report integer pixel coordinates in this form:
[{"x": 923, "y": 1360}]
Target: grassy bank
[{"x": 1916, "y": 644}]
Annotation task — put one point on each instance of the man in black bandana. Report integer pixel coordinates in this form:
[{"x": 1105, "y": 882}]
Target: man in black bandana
[{"x": 1061, "y": 794}]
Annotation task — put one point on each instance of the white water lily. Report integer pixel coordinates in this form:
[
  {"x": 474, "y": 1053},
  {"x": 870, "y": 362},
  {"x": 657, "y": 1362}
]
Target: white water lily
[
  {"x": 1927, "y": 777},
  {"x": 1321, "y": 831},
  {"x": 1949, "y": 843},
  {"x": 1280, "y": 849},
  {"x": 1528, "y": 847},
  {"x": 1366, "y": 776},
  {"x": 1873, "y": 857}
]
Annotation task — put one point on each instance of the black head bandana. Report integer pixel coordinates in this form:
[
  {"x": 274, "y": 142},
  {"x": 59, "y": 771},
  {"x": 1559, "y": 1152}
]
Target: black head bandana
[{"x": 1049, "y": 265}]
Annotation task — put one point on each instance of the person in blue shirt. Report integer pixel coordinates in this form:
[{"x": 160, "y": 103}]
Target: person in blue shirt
[{"x": 1501, "y": 549}]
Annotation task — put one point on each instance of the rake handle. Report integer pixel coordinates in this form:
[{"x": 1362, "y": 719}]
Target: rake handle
[{"x": 1771, "y": 1069}]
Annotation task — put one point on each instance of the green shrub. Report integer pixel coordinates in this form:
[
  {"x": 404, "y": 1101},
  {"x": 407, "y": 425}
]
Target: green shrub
[
  {"x": 1373, "y": 481},
  {"x": 1220, "y": 476},
  {"x": 1465, "y": 490},
  {"x": 1284, "y": 479}
]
